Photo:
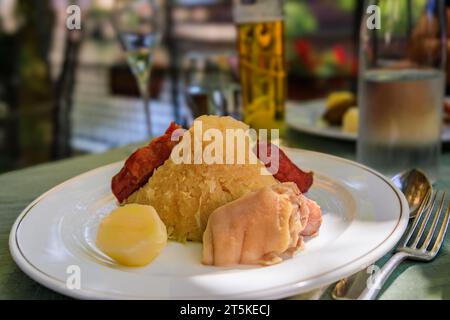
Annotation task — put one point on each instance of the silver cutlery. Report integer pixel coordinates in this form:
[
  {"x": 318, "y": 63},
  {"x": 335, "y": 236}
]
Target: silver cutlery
[
  {"x": 422, "y": 242},
  {"x": 415, "y": 185}
]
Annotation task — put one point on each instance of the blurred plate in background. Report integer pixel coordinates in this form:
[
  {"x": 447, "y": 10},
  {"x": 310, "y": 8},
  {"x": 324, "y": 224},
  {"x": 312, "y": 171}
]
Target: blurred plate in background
[{"x": 307, "y": 117}]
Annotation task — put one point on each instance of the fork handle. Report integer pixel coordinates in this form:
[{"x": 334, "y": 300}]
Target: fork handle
[{"x": 371, "y": 291}]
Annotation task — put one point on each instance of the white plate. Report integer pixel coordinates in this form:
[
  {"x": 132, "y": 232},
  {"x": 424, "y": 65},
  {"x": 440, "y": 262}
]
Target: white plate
[
  {"x": 307, "y": 117},
  {"x": 364, "y": 217}
]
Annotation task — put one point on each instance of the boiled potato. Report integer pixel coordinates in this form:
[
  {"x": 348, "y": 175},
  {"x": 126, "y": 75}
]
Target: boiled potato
[
  {"x": 338, "y": 103},
  {"x": 351, "y": 120},
  {"x": 132, "y": 235}
]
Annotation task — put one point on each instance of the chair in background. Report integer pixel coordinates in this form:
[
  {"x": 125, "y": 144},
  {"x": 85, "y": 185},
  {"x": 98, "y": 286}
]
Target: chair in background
[
  {"x": 63, "y": 96},
  {"x": 9, "y": 124}
]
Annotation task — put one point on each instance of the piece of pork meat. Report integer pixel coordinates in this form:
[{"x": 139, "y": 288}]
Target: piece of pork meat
[
  {"x": 314, "y": 218},
  {"x": 139, "y": 167},
  {"x": 287, "y": 170},
  {"x": 262, "y": 227}
]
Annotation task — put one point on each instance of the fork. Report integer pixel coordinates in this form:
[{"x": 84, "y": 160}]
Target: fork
[{"x": 411, "y": 247}]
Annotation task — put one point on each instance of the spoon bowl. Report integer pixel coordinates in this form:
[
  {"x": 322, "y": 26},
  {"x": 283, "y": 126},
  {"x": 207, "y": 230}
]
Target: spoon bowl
[{"x": 414, "y": 184}]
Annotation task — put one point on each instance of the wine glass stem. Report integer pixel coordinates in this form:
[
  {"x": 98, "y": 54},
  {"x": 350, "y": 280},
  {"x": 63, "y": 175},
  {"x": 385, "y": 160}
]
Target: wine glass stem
[{"x": 148, "y": 118}]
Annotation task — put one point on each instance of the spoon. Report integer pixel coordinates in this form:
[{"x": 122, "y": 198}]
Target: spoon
[{"x": 414, "y": 184}]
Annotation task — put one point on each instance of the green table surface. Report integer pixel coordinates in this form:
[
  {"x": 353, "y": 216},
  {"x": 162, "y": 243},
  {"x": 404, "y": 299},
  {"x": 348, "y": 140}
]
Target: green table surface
[{"x": 18, "y": 188}]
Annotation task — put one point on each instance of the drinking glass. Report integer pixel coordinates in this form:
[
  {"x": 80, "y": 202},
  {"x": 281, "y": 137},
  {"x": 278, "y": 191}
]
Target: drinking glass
[
  {"x": 208, "y": 85},
  {"x": 401, "y": 85},
  {"x": 138, "y": 26},
  {"x": 262, "y": 69}
]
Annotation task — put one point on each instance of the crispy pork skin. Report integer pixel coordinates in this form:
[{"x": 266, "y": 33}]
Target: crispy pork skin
[
  {"x": 140, "y": 165},
  {"x": 287, "y": 171}
]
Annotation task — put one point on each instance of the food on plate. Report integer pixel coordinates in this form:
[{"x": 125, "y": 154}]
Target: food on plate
[
  {"x": 287, "y": 171},
  {"x": 341, "y": 110},
  {"x": 351, "y": 121},
  {"x": 141, "y": 164},
  {"x": 314, "y": 218},
  {"x": 246, "y": 193},
  {"x": 185, "y": 195},
  {"x": 132, "y": 235},
  {"x": 262, "y": 227},
  {"x": 337, "y": 105}
]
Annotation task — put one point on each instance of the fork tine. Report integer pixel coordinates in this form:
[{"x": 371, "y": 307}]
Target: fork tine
[
  {"x": 420, "y": 211},
  {"x": 441, "y": 235},
  {"x": 437, "y": 216},
  {"x": 425, "y": 221}
]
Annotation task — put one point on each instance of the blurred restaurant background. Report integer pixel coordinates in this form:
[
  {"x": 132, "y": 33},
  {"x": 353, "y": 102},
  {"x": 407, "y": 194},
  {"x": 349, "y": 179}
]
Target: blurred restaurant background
[{"x": 65, "y": 93}]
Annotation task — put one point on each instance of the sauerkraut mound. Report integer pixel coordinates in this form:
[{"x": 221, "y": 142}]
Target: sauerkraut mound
[{"x": 184, "y": 195}]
